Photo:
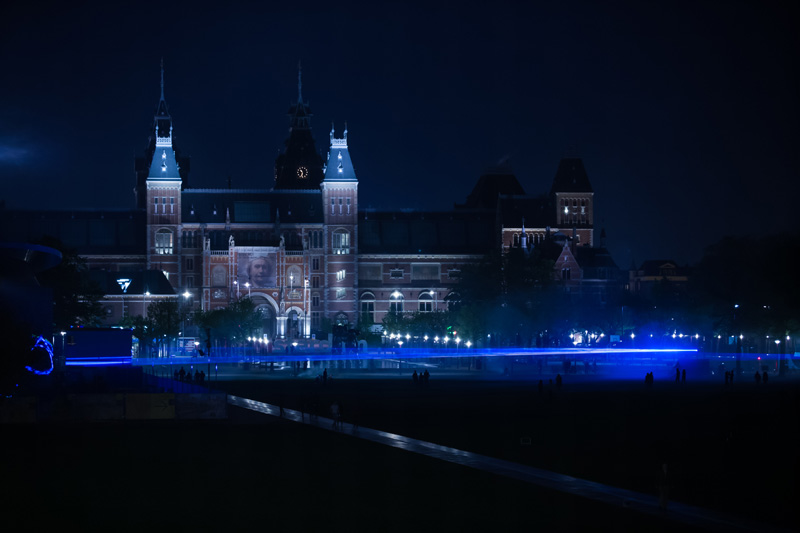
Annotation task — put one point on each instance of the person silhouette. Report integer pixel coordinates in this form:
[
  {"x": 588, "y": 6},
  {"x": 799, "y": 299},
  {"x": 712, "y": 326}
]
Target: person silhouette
[
  {"x": 765, "y": 377},
  {"x": 683, "y": 376}
]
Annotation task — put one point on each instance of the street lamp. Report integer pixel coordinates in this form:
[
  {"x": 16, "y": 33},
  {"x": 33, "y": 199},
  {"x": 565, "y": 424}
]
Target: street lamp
[
  {"x": 146, "y": 296},
  {"x": 186, "y": 295},
  {"x": 247, "y": 284},
  {"x": 236, "y": 283}
]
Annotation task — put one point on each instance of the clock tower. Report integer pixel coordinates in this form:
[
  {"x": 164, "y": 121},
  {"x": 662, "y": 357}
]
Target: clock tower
[{"x": 300, "y": 165}]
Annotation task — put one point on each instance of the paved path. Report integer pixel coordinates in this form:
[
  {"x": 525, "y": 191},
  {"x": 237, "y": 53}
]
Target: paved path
[{"x": 637, "y": 501}]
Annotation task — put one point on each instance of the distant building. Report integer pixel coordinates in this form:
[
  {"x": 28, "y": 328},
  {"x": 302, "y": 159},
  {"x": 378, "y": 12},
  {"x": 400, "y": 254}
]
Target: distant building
[
  {"x": 302, "y": 249},
  {"x": 663, "y": 276}
]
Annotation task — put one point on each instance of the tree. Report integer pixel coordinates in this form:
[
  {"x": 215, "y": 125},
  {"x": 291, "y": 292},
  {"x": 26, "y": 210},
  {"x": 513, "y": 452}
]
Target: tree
[
  {"x": 142, "y": 329},
  {"x": 76, "y": 299},
  {"x": 166, "y": 320}
]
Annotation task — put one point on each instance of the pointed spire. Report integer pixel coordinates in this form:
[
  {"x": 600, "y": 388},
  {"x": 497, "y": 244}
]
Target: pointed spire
[
  {"x": 299, "y": 82},
  {"x": 162, "y": 78}
]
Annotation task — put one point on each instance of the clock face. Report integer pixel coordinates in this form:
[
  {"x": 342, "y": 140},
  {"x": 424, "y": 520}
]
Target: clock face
[{"x": 302, "y": 173}]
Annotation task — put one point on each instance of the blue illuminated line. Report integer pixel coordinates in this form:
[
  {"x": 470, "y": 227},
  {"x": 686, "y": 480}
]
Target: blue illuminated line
[
  {"x": 41, "y": 342},
  {"x": 97, "y": 363}
]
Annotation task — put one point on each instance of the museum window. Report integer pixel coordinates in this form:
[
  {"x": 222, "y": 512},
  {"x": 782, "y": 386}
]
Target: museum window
[
  {"x": 425, "y": 302},
  {"x": 189, "y": 263},
  {"x": 565, "y": 274},
  {"x": 368, "y": 308},
  {"x": 172, "y": 205},
  {"x": 396, "y": 303},
  {"x": 315, "y": 282},
  {"x": 341, "y": 242},
  {"x": 163, "y": 242},
  {"x": 155, "y": 205},
  {"x": 315, "y": 300},
  {"x": 315, "y": 263},
  {"x": 348, "y": 206},
  {"x": 315, "y": 320}
]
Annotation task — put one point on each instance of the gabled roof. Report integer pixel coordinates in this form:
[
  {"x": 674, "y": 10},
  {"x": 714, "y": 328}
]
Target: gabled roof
[
  {"x": 209, "y": 206},
  {"x": 490, "y": 186},
  {"x": 571, "y": 177},
  {"x": 418, "y": 232}
]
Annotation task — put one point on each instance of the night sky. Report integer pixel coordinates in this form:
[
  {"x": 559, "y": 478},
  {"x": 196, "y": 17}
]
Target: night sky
[{"x": 686, "y": 115}]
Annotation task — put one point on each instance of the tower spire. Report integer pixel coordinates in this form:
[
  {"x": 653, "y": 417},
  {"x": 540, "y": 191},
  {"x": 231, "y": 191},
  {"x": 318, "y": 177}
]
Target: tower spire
[
  {"x": 299, "y": 82},
  {"x": 162, "y": 78}
]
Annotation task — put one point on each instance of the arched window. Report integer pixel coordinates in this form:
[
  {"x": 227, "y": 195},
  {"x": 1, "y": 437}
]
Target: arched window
[
  {"x": 163, "y": 242},
  {"x": 515, "y": 241},
  {"x": 425, "y": 302},
  {"x": 396, "y": 302},
  {"x": 294, "y": 277},
  {"x": 341, "y": 242},
  {"x": 340, "y": 319},
  {"x": 367, "y": 308}
]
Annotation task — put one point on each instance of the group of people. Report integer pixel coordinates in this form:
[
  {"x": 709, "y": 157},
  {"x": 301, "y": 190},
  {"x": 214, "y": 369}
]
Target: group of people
[
  {"x": 421, "y": 379},
  {"x": 186, "y": 377},
  {"x": 762, "y": 377},
  {"x": 680, "y": 377}
]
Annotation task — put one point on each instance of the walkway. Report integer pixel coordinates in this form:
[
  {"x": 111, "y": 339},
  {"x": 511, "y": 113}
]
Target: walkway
[{"x": 637, "y": 501}]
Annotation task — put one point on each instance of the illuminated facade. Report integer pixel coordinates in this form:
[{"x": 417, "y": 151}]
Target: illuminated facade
[{"x": 303, "y": 251}]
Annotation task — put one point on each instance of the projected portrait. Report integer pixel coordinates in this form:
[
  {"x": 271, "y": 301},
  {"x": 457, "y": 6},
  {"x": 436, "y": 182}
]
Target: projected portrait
[{"x": 259, "y": 270}]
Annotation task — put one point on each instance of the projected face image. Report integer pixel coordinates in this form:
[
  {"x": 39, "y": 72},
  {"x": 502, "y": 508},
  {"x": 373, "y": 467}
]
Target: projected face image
[{"x": 259, "y": 271}]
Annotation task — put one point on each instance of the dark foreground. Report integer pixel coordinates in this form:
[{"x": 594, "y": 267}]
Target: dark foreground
[{"x": 731, "y": 449}]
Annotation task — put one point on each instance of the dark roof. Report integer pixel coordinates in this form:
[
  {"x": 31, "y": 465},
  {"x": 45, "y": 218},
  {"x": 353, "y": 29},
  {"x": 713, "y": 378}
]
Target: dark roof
[
  {"x": 571, "y": 177},
  {"x": 152, "y": 281},
  {"x": 654, "y": 267},
  {"x": 589, "y": 257},
  {"x": 537, "y": 211},
  {"x": 415, "y": 232},
  {"x": 256, "y": 206},
  {"x": 490, "y": 185},
  {"x": 89, "y": 232}
]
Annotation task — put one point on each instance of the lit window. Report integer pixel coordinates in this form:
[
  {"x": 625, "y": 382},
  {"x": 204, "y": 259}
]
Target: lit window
[
  {"x": 163, "y": 242},
  {"x": 396, "y": 302},
  {"x": 341, "y": 242},
  {"x": 340, "y": 275}
]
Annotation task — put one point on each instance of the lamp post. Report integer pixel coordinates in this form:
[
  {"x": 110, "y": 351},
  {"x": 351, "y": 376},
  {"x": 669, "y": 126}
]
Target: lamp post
[
  {"x": 247, "y": 284},
  {"x": 146, "y": 296},
  {"x": 236, "y": 283},
  {"x": 186, "y": 296}
]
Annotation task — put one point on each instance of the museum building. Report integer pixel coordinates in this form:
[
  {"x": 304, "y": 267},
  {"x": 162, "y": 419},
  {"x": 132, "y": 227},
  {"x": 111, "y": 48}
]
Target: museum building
[{"x": 302, "y": 250}]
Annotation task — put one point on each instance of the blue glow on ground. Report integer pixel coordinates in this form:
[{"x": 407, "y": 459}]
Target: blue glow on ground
[{"x": 404, "y": 354}]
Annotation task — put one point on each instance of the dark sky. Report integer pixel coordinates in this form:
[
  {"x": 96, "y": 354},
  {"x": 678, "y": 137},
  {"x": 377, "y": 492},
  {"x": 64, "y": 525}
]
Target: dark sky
[{"x": 686, "y": 114}]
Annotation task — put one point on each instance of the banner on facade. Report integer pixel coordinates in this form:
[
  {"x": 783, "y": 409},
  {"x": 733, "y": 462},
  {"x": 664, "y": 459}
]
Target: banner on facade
[{"x": 258, "y": 269}]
